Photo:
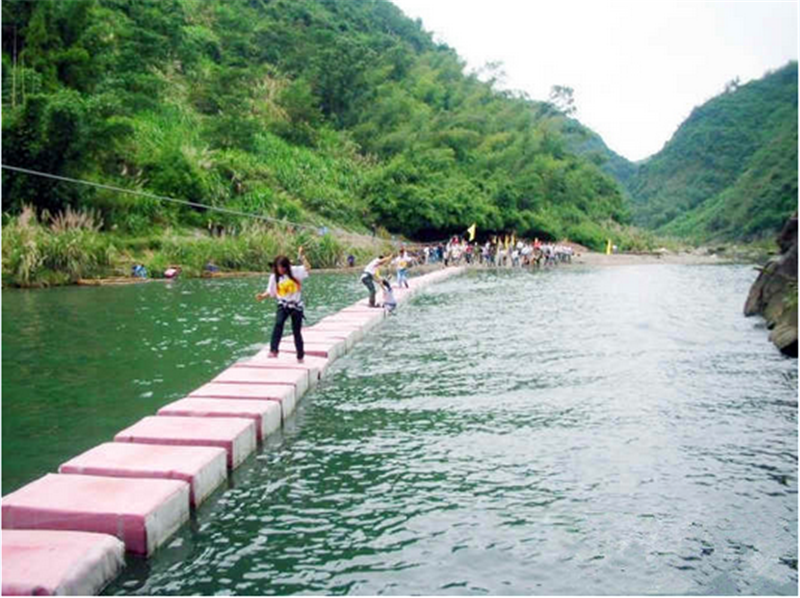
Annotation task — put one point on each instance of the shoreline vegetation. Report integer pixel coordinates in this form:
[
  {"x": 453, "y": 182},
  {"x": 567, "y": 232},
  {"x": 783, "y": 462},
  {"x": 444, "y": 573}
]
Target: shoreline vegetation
[
  {"x": 44, "y": 250},
  {"x": 71, "y": 248}
]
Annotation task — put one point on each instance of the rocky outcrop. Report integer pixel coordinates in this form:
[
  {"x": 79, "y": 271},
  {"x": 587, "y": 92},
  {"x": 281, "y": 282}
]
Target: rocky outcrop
[{"x": 774, "y": 293}]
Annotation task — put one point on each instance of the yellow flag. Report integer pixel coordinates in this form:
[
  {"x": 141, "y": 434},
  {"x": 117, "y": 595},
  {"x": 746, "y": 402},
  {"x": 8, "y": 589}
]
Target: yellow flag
[
  {"x": 505, "y": 242},
  {"x": 608, "y": 247},
  {"x": 471, "y": 231},
  {"x": 513, "y": 239}
]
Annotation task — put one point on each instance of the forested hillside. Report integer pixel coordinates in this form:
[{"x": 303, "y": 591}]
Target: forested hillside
[
  {"x": 730, "y": 170},
  {"x": 308, "y": 110},
  {"x": 585, "y": 142}
]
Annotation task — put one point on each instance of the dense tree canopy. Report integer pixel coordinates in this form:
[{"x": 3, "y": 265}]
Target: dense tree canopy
[
  {"x": 730, "y": 170},
  {"x": 319, "y": 110}
]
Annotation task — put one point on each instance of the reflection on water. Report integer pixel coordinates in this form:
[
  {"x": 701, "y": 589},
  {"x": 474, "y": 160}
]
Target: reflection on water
[{"x": 619, "y": 430}]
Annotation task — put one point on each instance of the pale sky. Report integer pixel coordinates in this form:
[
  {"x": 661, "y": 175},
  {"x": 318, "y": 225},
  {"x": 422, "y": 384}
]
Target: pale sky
[{"x": 637, "y": 67}]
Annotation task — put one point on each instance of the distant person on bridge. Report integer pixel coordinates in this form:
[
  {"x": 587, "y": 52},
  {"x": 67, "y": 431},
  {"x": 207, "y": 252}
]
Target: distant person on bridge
[
  {"x": 370, "y": 275},
  {"x": 402, "y": 261},
  {"x": 286, "y": 285}
]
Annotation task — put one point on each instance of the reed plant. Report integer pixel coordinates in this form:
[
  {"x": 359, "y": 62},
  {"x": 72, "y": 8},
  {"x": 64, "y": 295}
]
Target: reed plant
[
  {"x": 38, "y": 251},
  {"x": 44, "y": 249}
]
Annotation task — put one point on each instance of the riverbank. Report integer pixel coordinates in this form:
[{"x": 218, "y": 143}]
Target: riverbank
[
  {"x": 73, "y": 250},
  {"x": 589, "y": 258},
  {"x": 631, "y": 259}
]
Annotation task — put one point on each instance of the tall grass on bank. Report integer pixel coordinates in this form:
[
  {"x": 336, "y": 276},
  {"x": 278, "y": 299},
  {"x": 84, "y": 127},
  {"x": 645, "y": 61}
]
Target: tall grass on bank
[
  {"x": 251, "y": 249},
  {"x": 54, "y": 250}
]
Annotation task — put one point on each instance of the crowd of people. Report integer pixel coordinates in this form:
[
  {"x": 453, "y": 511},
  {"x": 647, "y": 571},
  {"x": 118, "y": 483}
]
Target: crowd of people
[
  {"x": 286, "y": 281},
  {"x": 496, "y": 252}
]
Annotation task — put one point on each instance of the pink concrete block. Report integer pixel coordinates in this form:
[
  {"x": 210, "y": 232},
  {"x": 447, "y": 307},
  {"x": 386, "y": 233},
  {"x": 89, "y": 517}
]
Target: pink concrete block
[
  {"x": 357, "y": 327},
  {"x": 48, "y": 563},
  {"x": 322, "y": 334},
  {"x": 311, "y": 363},
  {"x": 359, "y": 314},
  {"x": 361, "y": 310},
  {"x": 315, "y": 366},
  {"x": 202, "y": 467},
  {"x": 337, "y": 329},
  {"x": 350, "y": 336},
  {"x": 266, "y": 414},
  {"x": 316, "y": 332},
  {"x": 236, "y": 435},
  {"x": 267, "y": 363},
  {"x": 332, "y": 349},
  {"x": 361, "y": 304},
  {"x": 352, "y": 318},
  {"x": 142, "y": 513},
  {"x": 365, "y": 321},
  {"x": 313, "y": 335},
  {"x": 272, "y": 377},
  {"x": 283, "y": 394}
]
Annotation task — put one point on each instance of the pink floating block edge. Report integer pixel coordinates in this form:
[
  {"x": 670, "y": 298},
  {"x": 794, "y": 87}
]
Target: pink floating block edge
[
  {"x": 143, "y": 513},
  {"x": 204, "y": 468},
  {"x": 43, "y": 562},
  {"x": 256, "y": 410},
  {"x": 236, "y": 435}
]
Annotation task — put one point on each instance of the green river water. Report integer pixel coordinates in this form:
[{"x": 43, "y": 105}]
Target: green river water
[{"x": 608, "y": 430}]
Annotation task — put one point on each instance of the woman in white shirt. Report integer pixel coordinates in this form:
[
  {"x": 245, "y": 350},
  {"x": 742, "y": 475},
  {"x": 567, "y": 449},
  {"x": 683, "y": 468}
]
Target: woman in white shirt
[
  {"x": 286, "y": 286},
  {"x": 370, "y": 274}
]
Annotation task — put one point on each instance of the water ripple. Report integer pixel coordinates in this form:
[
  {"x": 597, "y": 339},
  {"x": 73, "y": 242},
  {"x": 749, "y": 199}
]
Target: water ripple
[{"x": 581, "y": 431}]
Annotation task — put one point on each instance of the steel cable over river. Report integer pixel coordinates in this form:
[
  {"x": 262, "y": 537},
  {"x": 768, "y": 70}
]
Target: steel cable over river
[{"x": 578, "y": 430}]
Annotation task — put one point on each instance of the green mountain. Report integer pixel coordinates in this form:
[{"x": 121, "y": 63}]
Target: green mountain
[
  {"x": 730, "y": 170},
  {"x": 318, "y": 111},
  {"x": 583, "y": 141}
]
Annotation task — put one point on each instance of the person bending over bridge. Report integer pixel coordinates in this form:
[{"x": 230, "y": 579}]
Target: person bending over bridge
[
  {"x": 286, "y": 285},
  {"x": 370, "y": 275}
]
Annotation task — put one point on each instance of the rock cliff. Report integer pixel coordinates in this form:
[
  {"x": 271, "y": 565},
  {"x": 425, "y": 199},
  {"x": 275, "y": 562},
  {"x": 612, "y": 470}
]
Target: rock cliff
[{"x": 774, "y": 293}]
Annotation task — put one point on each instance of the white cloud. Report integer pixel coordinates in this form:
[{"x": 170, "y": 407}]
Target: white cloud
[{"x": 638, "y": 68}]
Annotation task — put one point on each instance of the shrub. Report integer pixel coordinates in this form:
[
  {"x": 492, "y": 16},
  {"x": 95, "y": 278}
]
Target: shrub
[
  {"x": 71, "y": 248},
  {"x": 589, "y": 234}
]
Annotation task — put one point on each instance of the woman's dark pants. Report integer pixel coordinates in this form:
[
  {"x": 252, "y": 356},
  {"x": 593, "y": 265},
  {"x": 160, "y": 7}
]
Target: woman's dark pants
[
  {"x": 367, "y": 280},
  {"x": 281, "y": 316}
]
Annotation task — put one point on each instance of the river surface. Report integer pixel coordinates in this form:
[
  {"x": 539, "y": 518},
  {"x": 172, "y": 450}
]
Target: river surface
[{"x": 576, "y": 431}]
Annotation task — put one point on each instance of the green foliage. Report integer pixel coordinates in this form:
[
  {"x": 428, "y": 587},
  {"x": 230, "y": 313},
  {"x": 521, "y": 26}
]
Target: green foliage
[
  {"x": 303, "y": 116},
  {"x": 307, "y": 110},
  {"x": 585, "y": 142},
  {"x": 730, "y": 171},
  {"x": 252, "y": 249},
  {"x": 33, "y": 251},
  {"x": 589, "y": 234},
  {"x": 64, "y": 248}
]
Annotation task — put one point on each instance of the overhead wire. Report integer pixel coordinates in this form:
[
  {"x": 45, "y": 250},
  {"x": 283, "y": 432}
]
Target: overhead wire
[{"x": 166, "y": 198}]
